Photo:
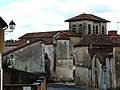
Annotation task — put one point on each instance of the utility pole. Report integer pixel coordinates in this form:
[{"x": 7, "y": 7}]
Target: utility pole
[{"x": 117, "y": 24}]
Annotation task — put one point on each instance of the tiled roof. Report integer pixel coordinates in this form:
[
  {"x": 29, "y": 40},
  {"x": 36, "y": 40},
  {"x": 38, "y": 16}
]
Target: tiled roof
[
  {"x": 49, "y": 34},
  {"x": 47, "y": 40},
  {"x": 17, "y": 43},
  {"x": 101, "y": 53},
  {"x": 100, "y": 40},
  {"x": 86, "y": 17},
  {"x": 62, "y": 36},
  {"x": 47, "y": 37},
  {"x": 115, "y": 40},
  {"x": 38, "y": 35},
  {"x": 70, "y": 33}
]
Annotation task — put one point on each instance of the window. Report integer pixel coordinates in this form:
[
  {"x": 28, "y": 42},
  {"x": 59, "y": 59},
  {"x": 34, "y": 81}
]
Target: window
[
  {"x": 81, "y": 56},
  {"x": 80, "y": 28},
  {"x": 89, "y": 29},
  {"x": 103, "y": 30},
  {"x": 96, "y": 29},
  {"x": 95, "y": 62},
  {"x": 93, "y": 29},
  {"x": 80, "y": 73},
  {"x": 74, "y": 27}
]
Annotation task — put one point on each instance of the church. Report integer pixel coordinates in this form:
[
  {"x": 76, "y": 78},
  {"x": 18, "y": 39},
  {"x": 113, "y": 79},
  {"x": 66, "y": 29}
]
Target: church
[{"x": 85, "y": 54}]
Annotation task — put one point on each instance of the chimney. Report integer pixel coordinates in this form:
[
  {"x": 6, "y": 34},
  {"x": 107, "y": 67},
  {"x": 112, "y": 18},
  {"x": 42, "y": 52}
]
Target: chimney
[{"x": 112, "y": 33}]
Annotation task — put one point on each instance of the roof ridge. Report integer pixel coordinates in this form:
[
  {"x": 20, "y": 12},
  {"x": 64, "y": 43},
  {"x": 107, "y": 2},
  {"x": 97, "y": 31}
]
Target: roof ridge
[
  {"x": 87, "y": 17},
  {"x": 62, "y": 35}
]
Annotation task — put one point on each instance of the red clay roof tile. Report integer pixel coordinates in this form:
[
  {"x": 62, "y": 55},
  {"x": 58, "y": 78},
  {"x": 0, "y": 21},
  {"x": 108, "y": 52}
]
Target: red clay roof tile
[
  {"x": 62, "y": 36},
  {"x": 49, "y": 34},
  {"x": 100, "y": 40},
  {"x": 86, "y": 17},
  {"x": 38, "y": 35},
  {"x": 17, "y": 43}
]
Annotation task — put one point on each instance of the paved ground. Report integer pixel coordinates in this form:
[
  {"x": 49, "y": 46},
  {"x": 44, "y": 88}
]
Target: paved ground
[{"x": 65, "y": 87}]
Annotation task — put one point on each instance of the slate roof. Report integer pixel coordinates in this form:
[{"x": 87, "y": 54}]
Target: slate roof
[{"x": 86, "y": 17}]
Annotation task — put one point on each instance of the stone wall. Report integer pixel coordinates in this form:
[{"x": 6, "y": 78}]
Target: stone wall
[
  {"x": 81, "y": 76},
  {"x": 85, "y": 24},
  {"x": 49, "y": 50},
  {"x": 117, "y": 65},
  {"x": 29, "y": 58},
  {"x": 64, "y": 60}
]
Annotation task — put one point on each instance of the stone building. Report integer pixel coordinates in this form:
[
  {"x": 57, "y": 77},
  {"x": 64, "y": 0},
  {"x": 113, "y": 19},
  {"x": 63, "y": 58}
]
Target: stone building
[
  {"x": 28, "y": 57},
  {"x": 56, "y": 51},
  {"x": 85, "y": 53},
  {"x": 98, "y": 56},
  {"x": 87, "y": 24}
]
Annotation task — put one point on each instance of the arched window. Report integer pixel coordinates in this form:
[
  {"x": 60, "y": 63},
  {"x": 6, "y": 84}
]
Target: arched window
[
  {"x": 89, "y": 29},
  {"x": 81, "y": 56},
  {"x": 103, "y": 30},
  {"x": 93, "y": 29},
  {"x": 95, "y": 63},
  {"x": 96, "y": 29},
  {"x": 80, "y": 28},
  {"x": 74, "y": 27}
]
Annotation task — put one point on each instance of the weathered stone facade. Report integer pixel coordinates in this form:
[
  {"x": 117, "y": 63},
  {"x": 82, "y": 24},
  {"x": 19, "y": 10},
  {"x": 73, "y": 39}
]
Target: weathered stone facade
[
  {"x": 84, "y": 53},
  {"x": 29, "y": 59},
  {"x": 117, "y": 65},
  {"x": 84, "y": 28}
]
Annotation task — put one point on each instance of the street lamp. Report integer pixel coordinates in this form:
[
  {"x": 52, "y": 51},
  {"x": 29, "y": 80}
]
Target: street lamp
[
  {"x": 3, "y": 27},
  {"x": 12, "y": 25}
]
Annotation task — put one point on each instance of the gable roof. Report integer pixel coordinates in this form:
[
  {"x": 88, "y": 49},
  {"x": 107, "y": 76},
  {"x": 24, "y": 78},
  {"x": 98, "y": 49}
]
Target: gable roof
[
  {"x": 86, "y": 17},
  {"x": 70, "y": 33},
  {"x": 62, "y": 36}
]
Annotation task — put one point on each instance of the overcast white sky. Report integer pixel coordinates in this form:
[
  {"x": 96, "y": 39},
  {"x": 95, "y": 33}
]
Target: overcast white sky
[{"x": 49, "y": 15}]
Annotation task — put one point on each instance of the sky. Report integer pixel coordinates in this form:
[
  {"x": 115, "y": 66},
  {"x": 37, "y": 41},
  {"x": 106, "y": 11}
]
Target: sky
[{"x": 49, "y": 15}]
